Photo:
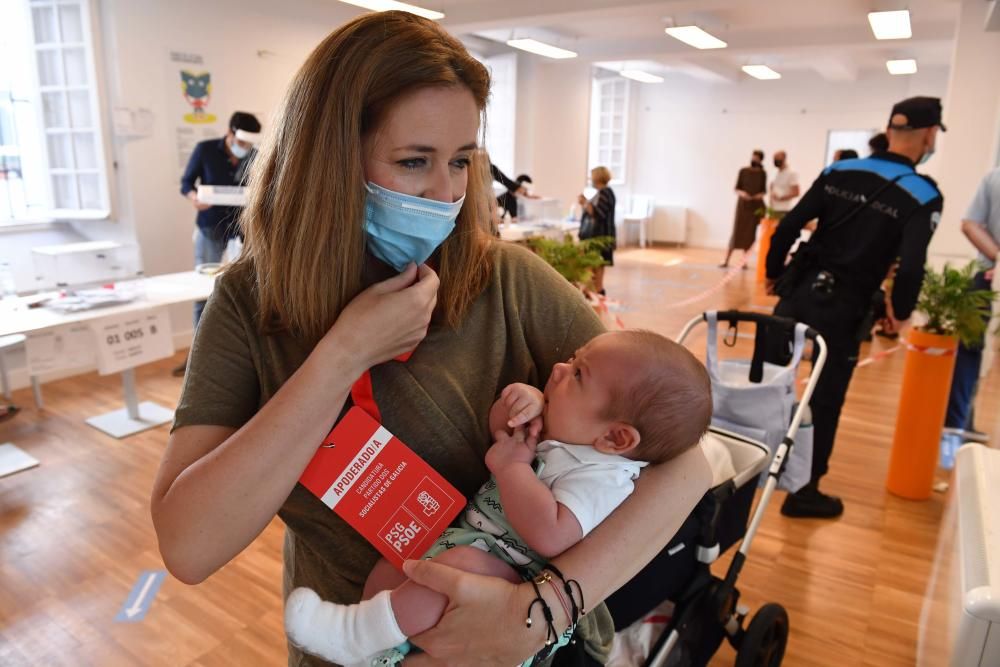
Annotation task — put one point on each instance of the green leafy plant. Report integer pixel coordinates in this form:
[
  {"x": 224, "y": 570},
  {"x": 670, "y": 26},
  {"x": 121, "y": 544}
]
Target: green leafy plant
[
  {"x": 766, "y": 212},
  {"x": 574, "y": 260},
  {"x": 952, "y": 307}
]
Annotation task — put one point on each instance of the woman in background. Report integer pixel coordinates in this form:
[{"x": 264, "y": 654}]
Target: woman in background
[
  {"x": 751, "y": 185},
  {"x": 599, "y": 220}
]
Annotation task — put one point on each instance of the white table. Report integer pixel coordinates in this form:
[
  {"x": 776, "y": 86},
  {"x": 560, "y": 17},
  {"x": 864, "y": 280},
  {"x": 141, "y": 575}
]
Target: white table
[
  {"x": 550, "y": 229},
  {"x": 165, "y": 290}
]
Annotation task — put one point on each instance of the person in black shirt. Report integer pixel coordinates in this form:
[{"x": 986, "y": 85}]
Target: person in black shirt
[
  {"x": 879, "y": 143},
  {"x": 222, "y": 161},
  {"x": 844, "y": 154},
  {"x": 515, "y": 188},
  {"x": 871, "y": 211},
  {"x": 598, "y": 219}
]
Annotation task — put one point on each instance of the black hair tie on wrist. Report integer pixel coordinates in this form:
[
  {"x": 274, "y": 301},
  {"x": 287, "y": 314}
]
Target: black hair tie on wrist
[
  {"x": 551, "y": 636},
  {"x": 571, "y": 585}
]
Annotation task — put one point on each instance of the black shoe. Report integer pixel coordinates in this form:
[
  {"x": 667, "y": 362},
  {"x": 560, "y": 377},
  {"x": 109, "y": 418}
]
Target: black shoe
[
  {"x": 885, "y": 334},
  {"x": 810, "y": 502},
  {"x": 8, "y": 411}
]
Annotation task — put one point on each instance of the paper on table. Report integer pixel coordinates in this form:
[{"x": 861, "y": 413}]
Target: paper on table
[{"x": 69, "y": 346}]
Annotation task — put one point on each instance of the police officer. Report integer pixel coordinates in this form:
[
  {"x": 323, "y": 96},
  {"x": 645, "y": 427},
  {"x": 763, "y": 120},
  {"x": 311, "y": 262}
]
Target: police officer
[{"x": 870, "y": 212}]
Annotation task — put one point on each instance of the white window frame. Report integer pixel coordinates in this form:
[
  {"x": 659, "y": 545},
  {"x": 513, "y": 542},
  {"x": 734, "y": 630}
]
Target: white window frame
[
  {"x": 609, "y": 116},
  {"x": 64, "y": 150},
  {"x": 501, "y": 112}
]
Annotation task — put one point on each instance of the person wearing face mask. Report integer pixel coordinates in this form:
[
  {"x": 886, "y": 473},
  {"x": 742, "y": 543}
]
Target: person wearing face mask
[
  {"x": 784, "y": 188},
  {"x": 751, "y": 184},
  {"x": 871, "y": 212},
  {"x": 222, "y": 161},
  {"x": 369, "y": 277}
]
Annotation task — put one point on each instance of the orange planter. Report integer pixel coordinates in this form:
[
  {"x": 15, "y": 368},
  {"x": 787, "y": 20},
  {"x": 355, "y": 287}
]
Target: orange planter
[
  {"x": 923, "y": 402},
  {"x": 767, "y": 227}
]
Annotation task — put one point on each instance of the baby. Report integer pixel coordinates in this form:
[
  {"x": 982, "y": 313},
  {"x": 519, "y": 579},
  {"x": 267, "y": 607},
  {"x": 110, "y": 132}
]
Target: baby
[{"x": 625, "y": 399}]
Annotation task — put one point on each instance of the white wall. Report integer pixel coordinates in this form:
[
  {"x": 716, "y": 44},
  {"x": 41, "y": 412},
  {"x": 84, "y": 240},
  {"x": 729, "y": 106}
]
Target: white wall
[
  {"x": 972, "y": 114},
  {"x": 692, "y": 137},
  {"x": 555, "y": 101},
  {"x": 138, "y": 36},
  {"x": 689, "y": 138}
]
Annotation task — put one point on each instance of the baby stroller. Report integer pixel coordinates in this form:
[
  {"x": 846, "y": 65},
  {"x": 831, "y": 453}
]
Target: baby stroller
[{"x": 706, "y": 608}]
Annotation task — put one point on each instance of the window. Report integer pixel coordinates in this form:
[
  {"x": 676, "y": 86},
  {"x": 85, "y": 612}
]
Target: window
[
  {"x": 609, "y": 124},
  {"x": 500, "y": 112},
  {"x": 856, "y": 140},
  {"x": 52, "y": 152}
]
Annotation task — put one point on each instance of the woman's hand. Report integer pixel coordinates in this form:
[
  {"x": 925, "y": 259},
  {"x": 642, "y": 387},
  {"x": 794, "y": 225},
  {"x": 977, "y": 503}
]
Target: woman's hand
[
  {"x": 389, "y": 318},
  {"x": 581, "y": 200},
  {"x": 484, "y": 621}
]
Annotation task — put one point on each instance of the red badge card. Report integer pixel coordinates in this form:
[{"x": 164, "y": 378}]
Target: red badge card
[{"x": 381, "y": 488}]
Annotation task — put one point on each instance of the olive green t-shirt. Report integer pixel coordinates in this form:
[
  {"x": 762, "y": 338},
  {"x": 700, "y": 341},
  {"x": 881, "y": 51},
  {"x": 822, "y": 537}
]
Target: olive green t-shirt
[{"x": 526, "y": 319}]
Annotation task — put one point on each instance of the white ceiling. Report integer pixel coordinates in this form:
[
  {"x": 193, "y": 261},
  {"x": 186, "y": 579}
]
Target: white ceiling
[{"x": 830, "y": 37}]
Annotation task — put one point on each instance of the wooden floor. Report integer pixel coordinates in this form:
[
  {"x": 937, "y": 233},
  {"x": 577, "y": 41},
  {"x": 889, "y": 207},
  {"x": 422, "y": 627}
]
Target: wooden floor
[{"x": 75, "y": 532}]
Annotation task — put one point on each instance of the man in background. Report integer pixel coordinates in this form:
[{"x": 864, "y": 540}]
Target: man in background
[
  {"x": 981, "y": 226},
  {"x": 515, "y": 188},
  {"x": 222, "y": 161},
  {"x": 871, "y": 212},
  {"x": 784, "y": 188},
  {"x": 879, "y": 143},
  {"x": 508, "y": 200}
]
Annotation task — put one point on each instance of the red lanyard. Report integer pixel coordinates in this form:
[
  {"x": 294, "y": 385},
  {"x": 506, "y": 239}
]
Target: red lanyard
[{"x": 363, "y": 395}]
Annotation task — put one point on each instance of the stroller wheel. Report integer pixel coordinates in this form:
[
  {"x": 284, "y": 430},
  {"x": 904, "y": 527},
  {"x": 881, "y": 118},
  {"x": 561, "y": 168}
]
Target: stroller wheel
[{"x": 763, "y": 642}]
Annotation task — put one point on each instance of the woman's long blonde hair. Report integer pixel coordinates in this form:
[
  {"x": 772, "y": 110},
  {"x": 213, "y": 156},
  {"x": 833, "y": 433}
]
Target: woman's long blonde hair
[{"x": 303, "y": 226}]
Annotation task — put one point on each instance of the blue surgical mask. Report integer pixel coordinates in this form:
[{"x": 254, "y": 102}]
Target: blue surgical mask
[
  {"x": 926, "y": 156},
  {"x": 238, "y": 150},
  {"x": 403, "y": 228}
]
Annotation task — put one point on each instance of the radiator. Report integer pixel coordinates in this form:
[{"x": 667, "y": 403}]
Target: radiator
[
  {"x": 977, "y": 638},
  {"x": 669, "y": 224}
]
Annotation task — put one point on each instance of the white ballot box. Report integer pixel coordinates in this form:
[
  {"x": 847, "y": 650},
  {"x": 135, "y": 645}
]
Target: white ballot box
[
  {"x": 88, "y": 263},
  {"x": 222, "y": 195}
]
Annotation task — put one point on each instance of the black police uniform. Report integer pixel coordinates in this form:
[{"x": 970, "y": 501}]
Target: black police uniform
[{"x": 855, "y": 256}]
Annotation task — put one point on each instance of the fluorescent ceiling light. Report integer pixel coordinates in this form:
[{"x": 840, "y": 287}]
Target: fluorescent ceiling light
[
  {"x": 891, "y": 25},
  {"x": 386, "y": 5},
  {"x": 540, "y": 48},
  {"x": 761, "y": 72},
  {"x": 696, "y": 37},
  {"x": 908, "y": 66},
  {"x": 639, "y": 75}
]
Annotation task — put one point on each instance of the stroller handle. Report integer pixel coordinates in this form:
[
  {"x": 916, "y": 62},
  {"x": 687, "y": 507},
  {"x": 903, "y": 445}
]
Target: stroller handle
[{"x": 734, "y": 316}]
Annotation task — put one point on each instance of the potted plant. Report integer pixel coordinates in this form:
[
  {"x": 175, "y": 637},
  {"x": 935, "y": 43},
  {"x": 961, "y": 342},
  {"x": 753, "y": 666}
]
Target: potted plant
[
  {"x": 954, "y": 312},
  {"x": 574, "y": 260},
  {"x": 952, "y": 307}
]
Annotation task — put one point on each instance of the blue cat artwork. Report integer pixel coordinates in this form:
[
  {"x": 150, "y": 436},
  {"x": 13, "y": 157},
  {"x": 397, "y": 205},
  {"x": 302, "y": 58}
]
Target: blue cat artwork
[{"x": 197, "y": 90}]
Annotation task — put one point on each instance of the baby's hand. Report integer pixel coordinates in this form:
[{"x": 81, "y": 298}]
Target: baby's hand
[
  {"x": 509, "y": 448},
  {"x": 524, "y": 404}
]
